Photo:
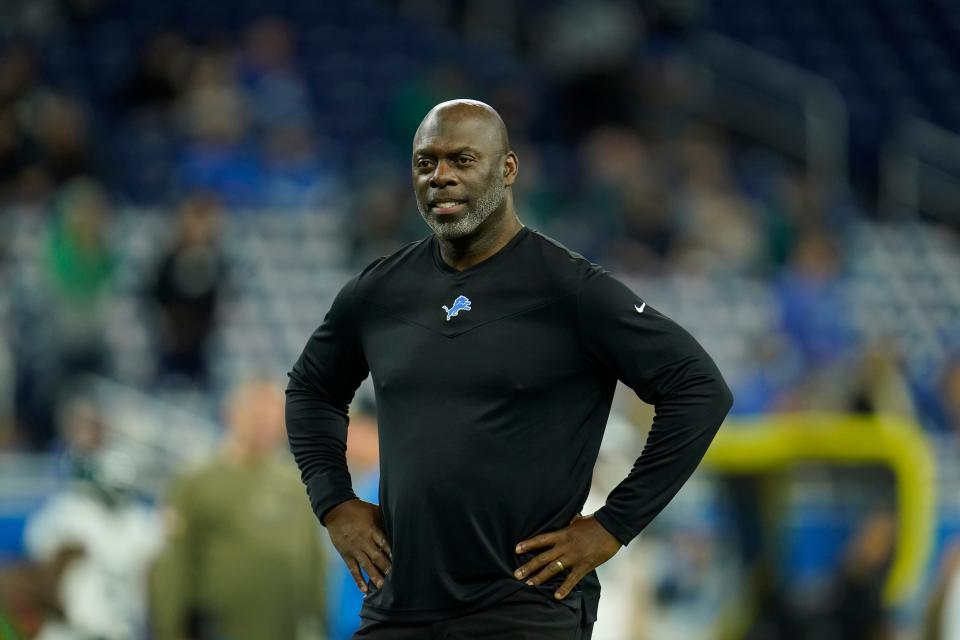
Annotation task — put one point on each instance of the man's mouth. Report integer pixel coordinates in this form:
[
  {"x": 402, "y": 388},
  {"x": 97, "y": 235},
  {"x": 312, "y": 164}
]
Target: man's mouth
[{"x": 447, "y": 206}]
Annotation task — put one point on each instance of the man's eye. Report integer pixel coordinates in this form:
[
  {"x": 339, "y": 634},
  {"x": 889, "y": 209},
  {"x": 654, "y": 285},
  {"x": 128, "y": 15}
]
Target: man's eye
[
  {"x": 465, "y": 160},
  {"x": 424, "y": 164}
]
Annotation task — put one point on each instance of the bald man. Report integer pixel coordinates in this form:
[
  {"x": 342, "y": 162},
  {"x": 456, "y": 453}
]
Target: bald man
[
  {"x": 241, "y": 561},
  {"x": 494, "y": 353}
]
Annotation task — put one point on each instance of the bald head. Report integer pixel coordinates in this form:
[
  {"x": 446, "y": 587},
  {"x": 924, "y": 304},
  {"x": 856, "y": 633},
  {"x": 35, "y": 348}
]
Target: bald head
[
  {"x": 254, "y": 412},
  {"x": 479, "y": 116}
]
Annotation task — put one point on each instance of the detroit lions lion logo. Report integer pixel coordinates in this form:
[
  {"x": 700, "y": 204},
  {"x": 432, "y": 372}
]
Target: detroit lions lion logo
[{"x": 462, "y": 303}]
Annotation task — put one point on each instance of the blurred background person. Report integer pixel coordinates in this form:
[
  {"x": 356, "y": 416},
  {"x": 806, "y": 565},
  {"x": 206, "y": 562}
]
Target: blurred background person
[
  {"x": 188, "y": 288},
  {"x": 96, "y": 534},
  {"x": 241, "y": 559},
  {"x": 79, "y": 266},
  {"x": 215, "y": 117},
  {"x": 856, "y": 609}
]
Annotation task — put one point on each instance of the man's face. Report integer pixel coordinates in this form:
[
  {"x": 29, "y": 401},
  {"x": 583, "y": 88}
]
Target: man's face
[
  {"x": 256, "y": 417},
  {"x": 458, "y": 174}
]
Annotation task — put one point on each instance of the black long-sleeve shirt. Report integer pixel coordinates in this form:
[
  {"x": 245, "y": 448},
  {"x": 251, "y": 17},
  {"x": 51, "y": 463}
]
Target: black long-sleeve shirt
[{"x": 493, "y": 388}]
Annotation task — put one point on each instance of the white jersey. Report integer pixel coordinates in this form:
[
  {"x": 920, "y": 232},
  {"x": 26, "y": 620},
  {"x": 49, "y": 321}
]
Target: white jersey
[{"x": 104, "y": 591}]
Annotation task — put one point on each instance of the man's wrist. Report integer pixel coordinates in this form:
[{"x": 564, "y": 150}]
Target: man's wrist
[
  {"x": 613, "y": 527},
  {"x": 325, "y": 516}
]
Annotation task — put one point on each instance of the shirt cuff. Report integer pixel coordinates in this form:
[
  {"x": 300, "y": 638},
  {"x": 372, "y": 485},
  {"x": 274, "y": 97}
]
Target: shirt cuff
[
  {"x": 617, "y": 529},
  {"x": 323, "y": 497}
]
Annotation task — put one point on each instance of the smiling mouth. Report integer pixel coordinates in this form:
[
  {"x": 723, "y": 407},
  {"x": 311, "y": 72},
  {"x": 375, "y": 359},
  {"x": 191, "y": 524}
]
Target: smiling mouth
[{"x": 447, "y": 206}]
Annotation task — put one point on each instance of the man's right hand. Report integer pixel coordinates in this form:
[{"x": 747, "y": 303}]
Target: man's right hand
[{"x": 356, "y": 530}]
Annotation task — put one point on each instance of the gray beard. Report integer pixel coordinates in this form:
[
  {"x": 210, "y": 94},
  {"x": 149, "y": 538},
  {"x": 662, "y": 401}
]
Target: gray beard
[{"x": 464, "y": 226}]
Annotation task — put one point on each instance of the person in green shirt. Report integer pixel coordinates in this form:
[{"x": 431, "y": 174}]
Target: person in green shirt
[{"x": 243, "y": 559}]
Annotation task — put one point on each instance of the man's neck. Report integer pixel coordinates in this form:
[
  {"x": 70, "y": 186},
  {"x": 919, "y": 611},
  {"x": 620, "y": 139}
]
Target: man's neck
[{"x": 464, "y": 253}]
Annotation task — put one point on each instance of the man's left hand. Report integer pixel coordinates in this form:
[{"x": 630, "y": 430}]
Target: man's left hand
[{"x": 580, "y": 548}]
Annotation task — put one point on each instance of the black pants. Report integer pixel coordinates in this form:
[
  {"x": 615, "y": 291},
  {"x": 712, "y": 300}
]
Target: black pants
[{"x": 527, "y": 614}]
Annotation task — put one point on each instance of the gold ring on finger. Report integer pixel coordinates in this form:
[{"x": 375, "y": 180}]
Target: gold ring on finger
[{"x": 560, "y": 564}]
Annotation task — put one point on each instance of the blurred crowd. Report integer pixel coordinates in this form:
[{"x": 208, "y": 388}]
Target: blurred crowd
[
  {"x": 207, "y": 125},
  {"x": 231, "y": 554},
  {"x": 614, "y": 163}
]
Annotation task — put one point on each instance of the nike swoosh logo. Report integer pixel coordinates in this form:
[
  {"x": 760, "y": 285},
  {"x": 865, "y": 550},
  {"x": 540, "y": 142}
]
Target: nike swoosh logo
[{"x": 640, "y": 308}]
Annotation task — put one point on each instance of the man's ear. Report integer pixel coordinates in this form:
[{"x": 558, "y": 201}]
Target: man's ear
[{"x": 511, "y": 167}]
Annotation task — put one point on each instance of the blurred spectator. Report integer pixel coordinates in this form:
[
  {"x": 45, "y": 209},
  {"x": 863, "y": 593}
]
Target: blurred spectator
[
  {"x": 44, "y": 134},
  {"x": 344, "y": 599},
  {"x": 775, "y": 618},
  {"x": 188, "y": 287},
  {"x": 803, "y": 202},
  {"x": 295, "y": 173},
  {"x": 276, "y": 91},
  {"x": 243, "y": 557},
  {"x": 813, "y": 305},
  {"x": 20, "y": 172},
  {"x": 18, "y": 74},
  {"x": 103, "y": 590},
  {"x": 717, "y": 223},
  {"x": 623, "y": 189},
  {"x": 775, "y": 368},
  {"x": 61, "y": 130},
  {"x": 79, "y": 265},
  {"x": 579, "y": 36},
  {"x": 855, "y": 610},
  {"x": 850, "y": 608},
  {"x": 588, "y": 47},
  {"x": 158, "y": 80},
  {"x": 13, "y": 155},
  {"x": 215, "y": 115}
]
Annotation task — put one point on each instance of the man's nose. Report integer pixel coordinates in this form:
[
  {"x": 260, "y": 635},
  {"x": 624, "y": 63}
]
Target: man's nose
[{"x": 442, "y": 176}]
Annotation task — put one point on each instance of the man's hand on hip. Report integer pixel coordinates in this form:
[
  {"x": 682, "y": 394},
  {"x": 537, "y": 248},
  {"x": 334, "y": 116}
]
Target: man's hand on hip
[
  {"x": 356, "y": 530},
  {"x": 580, "y": 548}
]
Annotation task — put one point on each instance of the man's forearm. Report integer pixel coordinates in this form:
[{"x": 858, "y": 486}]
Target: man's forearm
[
  {"x": 317, "y": 432},
  {"x": 685, "y": 424}
]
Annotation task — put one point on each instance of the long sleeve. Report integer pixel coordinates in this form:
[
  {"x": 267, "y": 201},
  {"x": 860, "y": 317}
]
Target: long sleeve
[
  {"x": 667, "y": 368},
  {"x": 321, "y": 386}
]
